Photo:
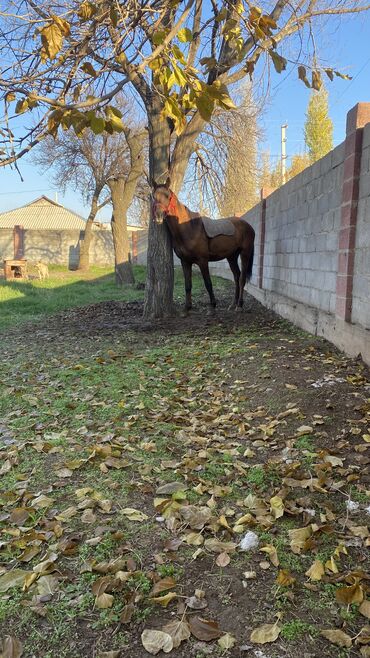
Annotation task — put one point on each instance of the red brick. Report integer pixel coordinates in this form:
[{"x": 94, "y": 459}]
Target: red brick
[
  {"x": 344, "y": 283},
  {"x": 358, "y": 117},
  {"x": 353, "y": 143},
  {"x": 352, "y": 166},
  {"x": 347, "y": 238},
  {"x": 348, "y": 214}
]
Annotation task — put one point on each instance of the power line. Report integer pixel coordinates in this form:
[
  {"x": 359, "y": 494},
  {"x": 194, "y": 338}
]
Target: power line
[{"x": 43, "y": 189}]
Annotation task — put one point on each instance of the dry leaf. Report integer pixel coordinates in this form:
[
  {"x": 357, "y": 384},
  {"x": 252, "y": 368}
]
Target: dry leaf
[
  {"x": 178, "y": 630},
  {"x": 134, "y": 514},
  {"x": 276, "y": 507},
  {"x": 352, "y": 594},
  {"x": 222, "y": 560},
  {"x": 272, "y": 553},
  {"x": 338, "y": 637},
  {"x": 298, "y": 538},
  {"x": 13, "y": 578},
  {"x": 217, "y": 546},
  {"x": 156, "y": 641},
  {"x": 265, "y": 633},
  {"x": 204, "y": 629},
  {"x": 12, "y": 648},
  {"x": 226, "y": 642},
  {"x": 285, "y": 578},
  {"x": 316, "y": 571},
  {"x": 162, "y": 585},
  {"x": 164, "y": 600},
  {"x": 364, "y": 608},
  {"x": 104, "y": 601}
]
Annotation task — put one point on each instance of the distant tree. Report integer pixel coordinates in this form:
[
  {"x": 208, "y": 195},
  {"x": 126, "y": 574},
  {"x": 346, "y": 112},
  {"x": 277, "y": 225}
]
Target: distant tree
[
  {"x": 240, "y": 180},
  {"x": 265, "y": 170},
  {"x": 89, "y": 165},
  {"x": 299, "y": 162},
  {"x": 318, "y": 130}
]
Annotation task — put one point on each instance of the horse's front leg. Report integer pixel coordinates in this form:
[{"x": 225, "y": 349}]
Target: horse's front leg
[
  {"x": 208, "y": 282},
  {"x": 186, "y": 268}
]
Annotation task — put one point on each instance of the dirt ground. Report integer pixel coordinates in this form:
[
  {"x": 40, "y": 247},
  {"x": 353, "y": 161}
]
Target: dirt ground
[{"x": 206, "y": 427}]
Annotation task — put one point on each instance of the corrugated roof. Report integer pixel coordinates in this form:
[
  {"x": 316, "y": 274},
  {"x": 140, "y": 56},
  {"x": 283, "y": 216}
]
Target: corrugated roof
[{"x": 42, "y": 213}]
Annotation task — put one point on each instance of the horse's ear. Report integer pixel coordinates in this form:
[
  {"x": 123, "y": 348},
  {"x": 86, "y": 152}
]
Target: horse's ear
[
  {"x": 153, "y": 184},
  {"x": 168, "y": 182}
]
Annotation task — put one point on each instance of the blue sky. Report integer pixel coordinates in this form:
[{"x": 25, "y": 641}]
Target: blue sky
[{"x": 344, "y": 46}]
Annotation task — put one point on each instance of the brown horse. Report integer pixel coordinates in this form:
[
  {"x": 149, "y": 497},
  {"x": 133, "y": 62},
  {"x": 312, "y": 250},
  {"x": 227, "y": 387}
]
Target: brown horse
[{"x": 192, "y": 245}]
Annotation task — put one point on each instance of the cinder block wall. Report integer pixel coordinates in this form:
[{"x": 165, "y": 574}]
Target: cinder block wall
[
  {"x": 361, "y": 271},
  {"x": 6, "y": 244}
]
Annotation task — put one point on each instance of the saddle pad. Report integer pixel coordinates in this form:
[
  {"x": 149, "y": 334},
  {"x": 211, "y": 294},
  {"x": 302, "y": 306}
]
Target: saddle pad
[{"x": 214, "y": 227}]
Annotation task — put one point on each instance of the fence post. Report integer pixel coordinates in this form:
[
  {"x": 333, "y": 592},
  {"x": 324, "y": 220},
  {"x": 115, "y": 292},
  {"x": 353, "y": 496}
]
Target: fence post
[
  {"x": 265, "y": 192},
  {"x": 357, "y": 118},
  {"x": 18, "y": 242}
]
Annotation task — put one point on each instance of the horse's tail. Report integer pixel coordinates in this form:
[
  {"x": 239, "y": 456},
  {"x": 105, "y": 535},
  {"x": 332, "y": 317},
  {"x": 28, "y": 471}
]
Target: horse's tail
[{"x": 250, "y": 263}]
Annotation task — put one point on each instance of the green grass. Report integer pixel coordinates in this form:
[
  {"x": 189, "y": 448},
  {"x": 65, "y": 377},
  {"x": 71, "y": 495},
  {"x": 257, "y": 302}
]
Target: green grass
[{"x": 31, "y": 300}]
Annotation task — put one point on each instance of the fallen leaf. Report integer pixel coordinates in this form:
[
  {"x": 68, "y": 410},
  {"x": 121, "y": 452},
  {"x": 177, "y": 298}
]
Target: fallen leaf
[
  {"x": 276, "y": 507},
  {"x": 272, "y": 553},
  {"x": 352, "y": 594},
  {"x": 204, "y": 629},
  {"x": 316, "y": 571},
  {"x": 285, "y": 578},
  {"x": 156, "y": 641},
  {"x": 196, "y": 603},
  {"x": 337, "y": 637},
  {"x": 179, "y": 630},
  {"x": 222, "y": 560},
  {"x": 162, "y": 585},
  {"x": 364, "y": 608},
  {"x": 13, "y": 578},
  {"x": 134, "y": 514},
  {"x": 12, "y": 647},
  {"x": 226, "y": 642},
  {"x": 109, "y": 654},
  {"x": 104, "y": 601},
  {"x": 164, "y": 600},
  {"x": 265, "y": 633},
  {"x": 217, "y": 546},
  {"x": 298, "y": 538}
]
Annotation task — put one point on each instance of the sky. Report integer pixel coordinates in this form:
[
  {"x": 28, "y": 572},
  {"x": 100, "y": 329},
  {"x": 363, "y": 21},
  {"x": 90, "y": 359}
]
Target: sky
[{"x": 344, "y": 47}]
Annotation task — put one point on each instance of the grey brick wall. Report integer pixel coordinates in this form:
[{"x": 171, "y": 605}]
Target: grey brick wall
[{"x": 361, "y": 277}]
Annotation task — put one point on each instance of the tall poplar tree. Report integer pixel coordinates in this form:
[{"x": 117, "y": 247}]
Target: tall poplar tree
[{"x": 318, "y": 130}]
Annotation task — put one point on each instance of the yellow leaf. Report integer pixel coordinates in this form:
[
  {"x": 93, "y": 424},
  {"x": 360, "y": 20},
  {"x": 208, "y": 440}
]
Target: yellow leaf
[
  {"x": 276, "y": 507},
  {"x": 226, "y": 642},
  {"x": 265, "y": 633},
  {"x": 298, "y": 538},
  {"x": 330, "y": 565},
  {"x": 155, "y": 641},
  {"x": 335, "y": 636},
  {"x": 316, "y": 571},
  {"x": 285, "y": 578},
  {"x": 134, "y": 514},
  {"x": 164, "y": 600},
  {"x": 352, "y": 594},
  {"x": 272, "y": 553},
  {"x": 364, "y": 609},
  {"x": 104, "y": 601}
]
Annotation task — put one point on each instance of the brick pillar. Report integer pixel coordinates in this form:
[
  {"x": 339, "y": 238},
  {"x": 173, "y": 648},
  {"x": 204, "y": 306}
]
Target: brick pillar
[
  {"x": 357, "y": 118},
  {"x": 18, "y": 242},
  {"x": 265, "y": 192}
]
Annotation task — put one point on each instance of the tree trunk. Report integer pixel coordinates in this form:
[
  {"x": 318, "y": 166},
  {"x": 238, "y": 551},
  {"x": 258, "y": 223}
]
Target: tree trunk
[
  {"x": 84, "y": 258},
  {"x": 160, "y": 272},
  {"x": 123, "y": 266},
  {"x": 160, "y": 276},
  {"x": 122, "y": 192}
]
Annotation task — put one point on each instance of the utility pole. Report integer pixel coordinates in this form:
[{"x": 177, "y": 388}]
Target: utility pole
[{"x": 283, "y": 152}]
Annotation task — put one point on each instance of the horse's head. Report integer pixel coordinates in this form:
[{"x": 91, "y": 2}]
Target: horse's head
[{"x": 163, "y": 200}]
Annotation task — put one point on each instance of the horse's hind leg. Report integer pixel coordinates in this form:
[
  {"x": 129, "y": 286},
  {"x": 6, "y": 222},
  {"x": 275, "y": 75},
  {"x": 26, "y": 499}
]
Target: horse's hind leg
[
  {"x": 186, "y": 268},
  {"x": 233, "y": 262},
  {"x": 203, "y": 266},
  {"x": 244, "y": 257}
]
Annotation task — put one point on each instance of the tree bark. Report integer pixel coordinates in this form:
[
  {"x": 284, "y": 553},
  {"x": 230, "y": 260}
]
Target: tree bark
[
  {"x": 84, "y": 258},
  {"x": 160, "y": 272},
  {"x": 160, "y": 275},
  {"x": 122, "y": 193}
]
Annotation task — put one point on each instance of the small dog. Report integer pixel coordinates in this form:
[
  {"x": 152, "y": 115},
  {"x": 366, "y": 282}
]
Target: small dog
[{"x": 42, "y": 270}]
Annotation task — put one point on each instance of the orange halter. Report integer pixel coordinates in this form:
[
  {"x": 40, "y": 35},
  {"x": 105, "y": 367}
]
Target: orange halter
[{"x": 171, "y": 208}]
